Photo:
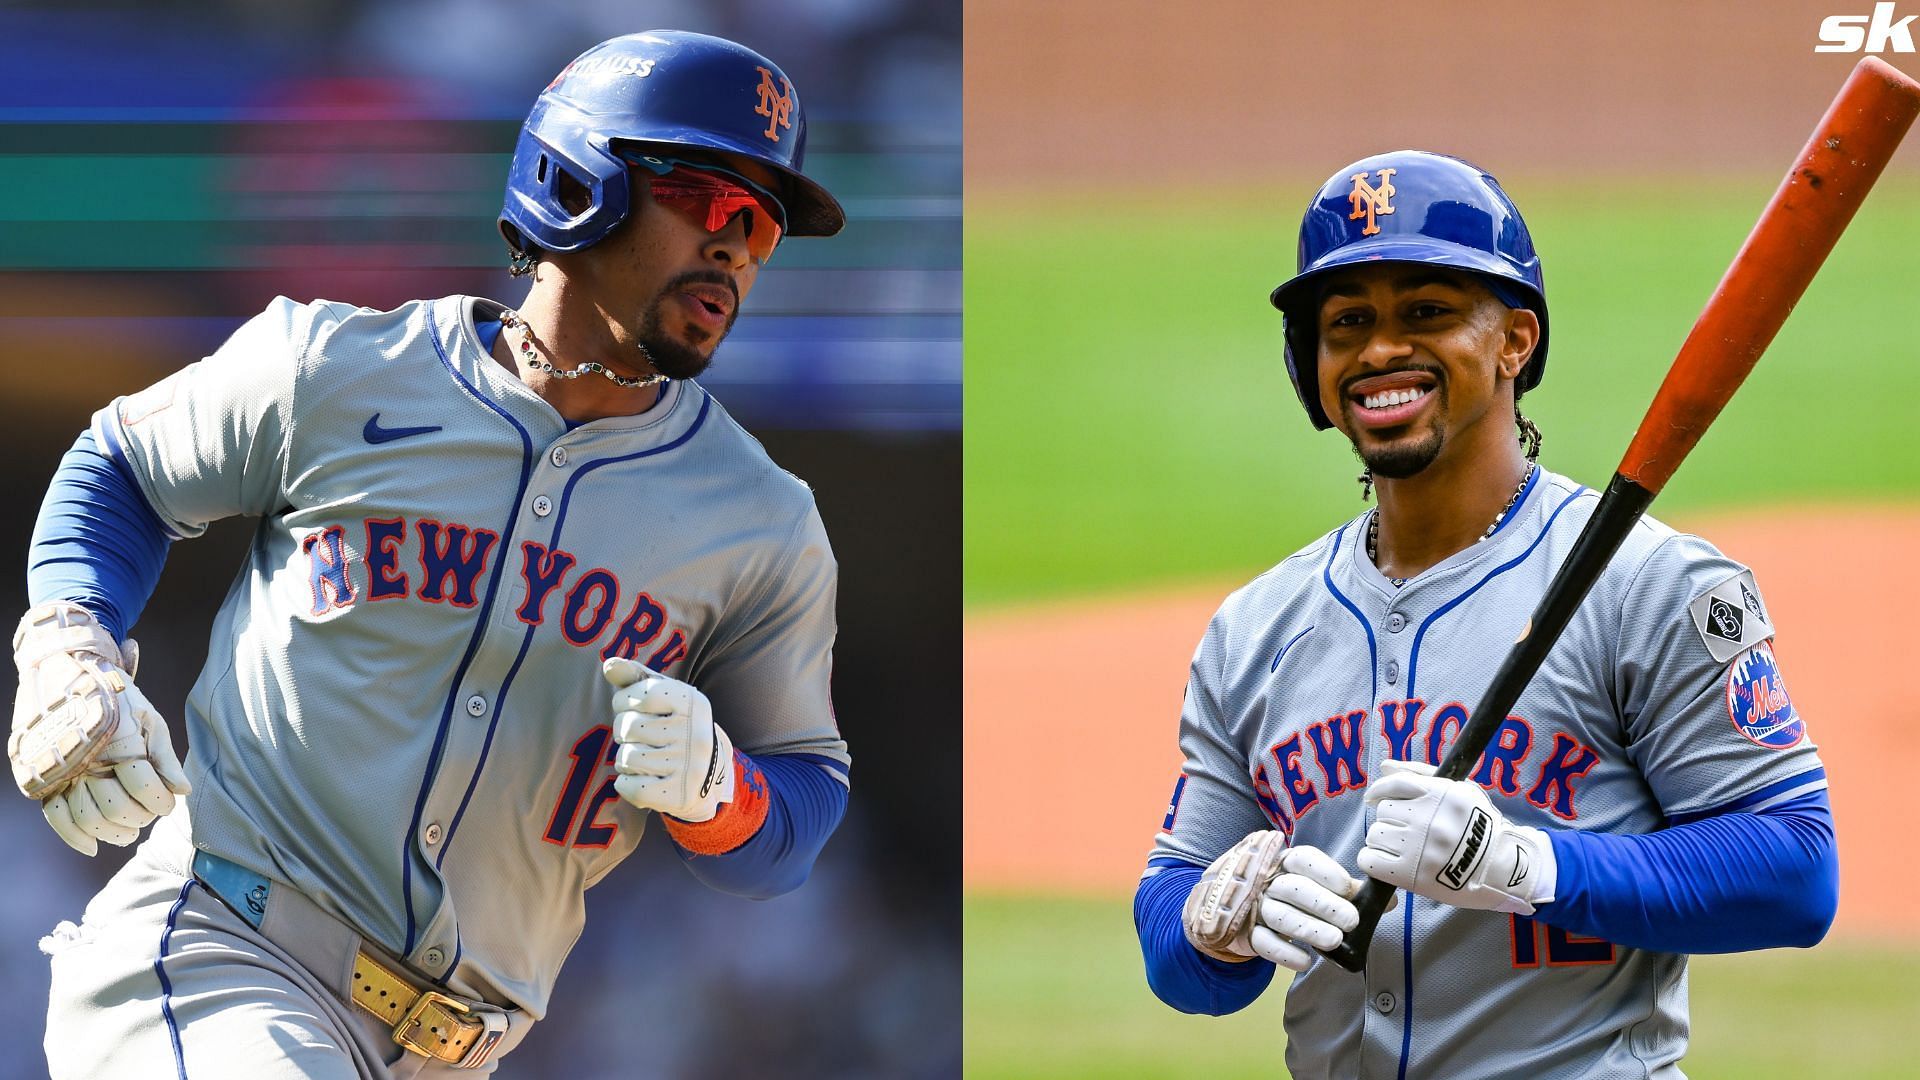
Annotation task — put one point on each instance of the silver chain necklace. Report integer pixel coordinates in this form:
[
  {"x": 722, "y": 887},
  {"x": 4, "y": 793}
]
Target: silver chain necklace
[
  {"x": 511, "y": 320},
  {"x": 1373, "y": 527}
]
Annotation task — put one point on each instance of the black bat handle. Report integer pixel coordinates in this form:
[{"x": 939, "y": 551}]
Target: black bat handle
[
  {"x": 1620, "y": 507},
  {"x": 1351, "y": 953}
]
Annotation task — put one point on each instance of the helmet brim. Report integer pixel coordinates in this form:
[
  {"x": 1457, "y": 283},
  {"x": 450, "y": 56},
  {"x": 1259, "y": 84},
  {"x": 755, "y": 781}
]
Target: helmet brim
[{"x": 1291, "y": 294}]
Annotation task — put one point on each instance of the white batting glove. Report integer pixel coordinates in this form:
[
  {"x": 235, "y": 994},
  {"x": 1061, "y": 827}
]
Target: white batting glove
[
  {"x": 1308, "y": 907},
  {"x": 86, "y": 742},
  {"x": 1444, "y": 840},
  {"x": 1218, "y": 914},
  {"x": 673, "y": 758}
]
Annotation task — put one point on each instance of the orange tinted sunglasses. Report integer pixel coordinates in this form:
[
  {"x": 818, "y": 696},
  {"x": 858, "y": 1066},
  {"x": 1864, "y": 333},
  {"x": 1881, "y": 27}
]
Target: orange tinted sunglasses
[{"x": 712, "y": 196}]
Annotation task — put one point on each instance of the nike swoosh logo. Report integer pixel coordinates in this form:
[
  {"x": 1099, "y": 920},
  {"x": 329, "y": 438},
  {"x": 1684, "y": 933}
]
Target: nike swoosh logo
[
  {"x": 1286, "y": 647},
  {"x": 376, "y": 434}
]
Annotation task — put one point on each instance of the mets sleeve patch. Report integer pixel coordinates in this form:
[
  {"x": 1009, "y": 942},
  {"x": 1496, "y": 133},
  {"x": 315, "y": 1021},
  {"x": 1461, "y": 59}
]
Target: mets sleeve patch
[
  {"x": 1730, "y": 618},
  {"x": 1758, "y": 703}
]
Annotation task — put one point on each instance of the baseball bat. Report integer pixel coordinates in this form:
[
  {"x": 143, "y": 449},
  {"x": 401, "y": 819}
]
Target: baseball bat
[{"x": 1799, "y": 226}]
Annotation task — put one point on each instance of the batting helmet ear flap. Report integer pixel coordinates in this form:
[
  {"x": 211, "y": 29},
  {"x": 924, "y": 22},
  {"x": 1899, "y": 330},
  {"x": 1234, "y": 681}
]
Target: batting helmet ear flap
[
  {"x": 1303, "y": 361},
  {"x": 535, "y": 205}
]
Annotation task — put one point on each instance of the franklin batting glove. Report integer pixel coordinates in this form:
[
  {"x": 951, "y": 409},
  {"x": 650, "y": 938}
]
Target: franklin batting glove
[{"x": 1445, "y": 840}]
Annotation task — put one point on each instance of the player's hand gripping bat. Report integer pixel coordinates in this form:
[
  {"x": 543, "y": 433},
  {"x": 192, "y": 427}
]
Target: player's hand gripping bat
[{"x": 1827, "y": 183}]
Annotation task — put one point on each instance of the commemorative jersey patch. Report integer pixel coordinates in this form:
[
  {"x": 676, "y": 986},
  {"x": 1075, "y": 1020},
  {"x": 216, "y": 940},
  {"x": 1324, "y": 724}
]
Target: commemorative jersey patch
[
  {"x": 1758, "y": 703},
  {"x": 1730, "y": 618}
]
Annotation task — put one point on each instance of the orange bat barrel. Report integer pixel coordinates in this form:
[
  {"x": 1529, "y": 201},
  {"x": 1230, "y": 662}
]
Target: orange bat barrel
[{"x": 1792, "y": 238}]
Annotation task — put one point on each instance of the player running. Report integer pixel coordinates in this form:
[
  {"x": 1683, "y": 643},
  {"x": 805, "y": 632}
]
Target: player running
[
  {"x": 1653, "y": 793},
  {"x": 518, "y": 583}
]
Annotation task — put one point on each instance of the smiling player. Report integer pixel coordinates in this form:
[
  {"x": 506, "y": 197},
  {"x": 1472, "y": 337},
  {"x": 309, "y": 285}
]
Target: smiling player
[
  {"x": 518, "y": 585},
  {"x": 1652, "y": 794}
]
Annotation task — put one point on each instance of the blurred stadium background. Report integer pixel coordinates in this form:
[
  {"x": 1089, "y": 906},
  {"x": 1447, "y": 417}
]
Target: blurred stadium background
[
  {"x": 169, "y": 167},
  {"x": 1135, "y": 174}
]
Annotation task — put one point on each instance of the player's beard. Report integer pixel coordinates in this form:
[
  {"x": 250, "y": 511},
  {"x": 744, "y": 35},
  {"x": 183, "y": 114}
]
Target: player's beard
[
  {"x": 1407, "y": 454},
  {"x": 672, "y": 356}
]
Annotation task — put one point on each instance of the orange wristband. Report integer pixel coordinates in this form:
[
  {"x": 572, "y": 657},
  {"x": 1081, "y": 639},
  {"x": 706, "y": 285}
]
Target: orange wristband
[{"x": 737, "y": 821}]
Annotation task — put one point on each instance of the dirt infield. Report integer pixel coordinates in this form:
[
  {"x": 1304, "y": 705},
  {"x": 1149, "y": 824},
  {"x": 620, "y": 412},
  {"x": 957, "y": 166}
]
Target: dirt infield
[
  {"x": 1116, "y": 92},
  {"x": 1073, "y": 712}
]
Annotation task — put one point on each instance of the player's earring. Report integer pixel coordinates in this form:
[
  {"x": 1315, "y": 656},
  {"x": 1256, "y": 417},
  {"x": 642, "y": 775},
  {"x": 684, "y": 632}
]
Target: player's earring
[
  {"x": 1366, "y": 483},
  {"x": 521, "y": 264},
  {"x": 1529, "y": 433}
]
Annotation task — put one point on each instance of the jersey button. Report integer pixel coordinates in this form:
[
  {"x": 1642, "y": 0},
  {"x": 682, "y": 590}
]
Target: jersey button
[
  {"x": 433, "y": 958},
  {"x": 1393, "y": 672},
  {"x": 1383, "y": 1001},
  {"x": 558, "y": 457},
  {"x": 476, "y": 706},
  {"x": 1396, "y": 622},
  {"x": 432, "y": 833},
  {"x": 542, "y": 506}
]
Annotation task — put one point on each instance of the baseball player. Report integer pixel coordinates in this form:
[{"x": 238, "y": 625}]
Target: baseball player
[
  {"x": 519, "y": 583},
  {"x": 1653, "y": 794}
]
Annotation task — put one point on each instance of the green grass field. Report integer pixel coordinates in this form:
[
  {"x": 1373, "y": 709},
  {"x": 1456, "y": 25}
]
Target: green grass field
[
  {"x": 1054, "y": 989},
  {"x": 1129, "y": 419}
]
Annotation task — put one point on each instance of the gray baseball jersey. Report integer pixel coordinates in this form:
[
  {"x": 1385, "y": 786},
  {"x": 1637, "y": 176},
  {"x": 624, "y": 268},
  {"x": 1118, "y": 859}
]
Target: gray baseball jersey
[
  {"x": 1662, "y": 700},
  {"x": 402, "y": 714}
]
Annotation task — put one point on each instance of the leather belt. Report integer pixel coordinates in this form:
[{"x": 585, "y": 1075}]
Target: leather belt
[{"x": 425, "y": 1021}]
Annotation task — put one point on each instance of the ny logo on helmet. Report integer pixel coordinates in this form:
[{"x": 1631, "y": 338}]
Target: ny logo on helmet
[
  {"x": 776, "y": 104},
  {"x": 1376, "y": 200}
]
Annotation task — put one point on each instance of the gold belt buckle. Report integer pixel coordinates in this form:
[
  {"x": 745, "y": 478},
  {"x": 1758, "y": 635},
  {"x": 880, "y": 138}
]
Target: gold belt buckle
[{"x": 436, "y": 1044}]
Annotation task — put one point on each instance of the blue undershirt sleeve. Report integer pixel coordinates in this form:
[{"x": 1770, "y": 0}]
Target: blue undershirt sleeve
[
  {"x": 1726, "y": 883},
  {"x": 97, "y": 542},
  {"x": 1180, "y": 975},
  {"x": 804, "y": 805}
]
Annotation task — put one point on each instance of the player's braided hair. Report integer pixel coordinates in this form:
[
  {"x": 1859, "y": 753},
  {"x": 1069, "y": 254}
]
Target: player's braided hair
[
  {"x": 1529, "y": 433},
  {"x": 1529, "y": 437}
]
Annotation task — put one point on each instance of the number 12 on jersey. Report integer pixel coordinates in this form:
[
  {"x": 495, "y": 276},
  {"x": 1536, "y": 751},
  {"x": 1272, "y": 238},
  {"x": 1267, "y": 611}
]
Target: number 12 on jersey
[
  {"x": 1560, "y": 948},
  {"x": 589, "y": 752}
]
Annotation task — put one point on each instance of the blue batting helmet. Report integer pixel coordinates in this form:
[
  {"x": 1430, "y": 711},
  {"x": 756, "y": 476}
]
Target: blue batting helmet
[
  {"x": 663, "y": 86},
  {"x": 1408, "y": 206}
]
